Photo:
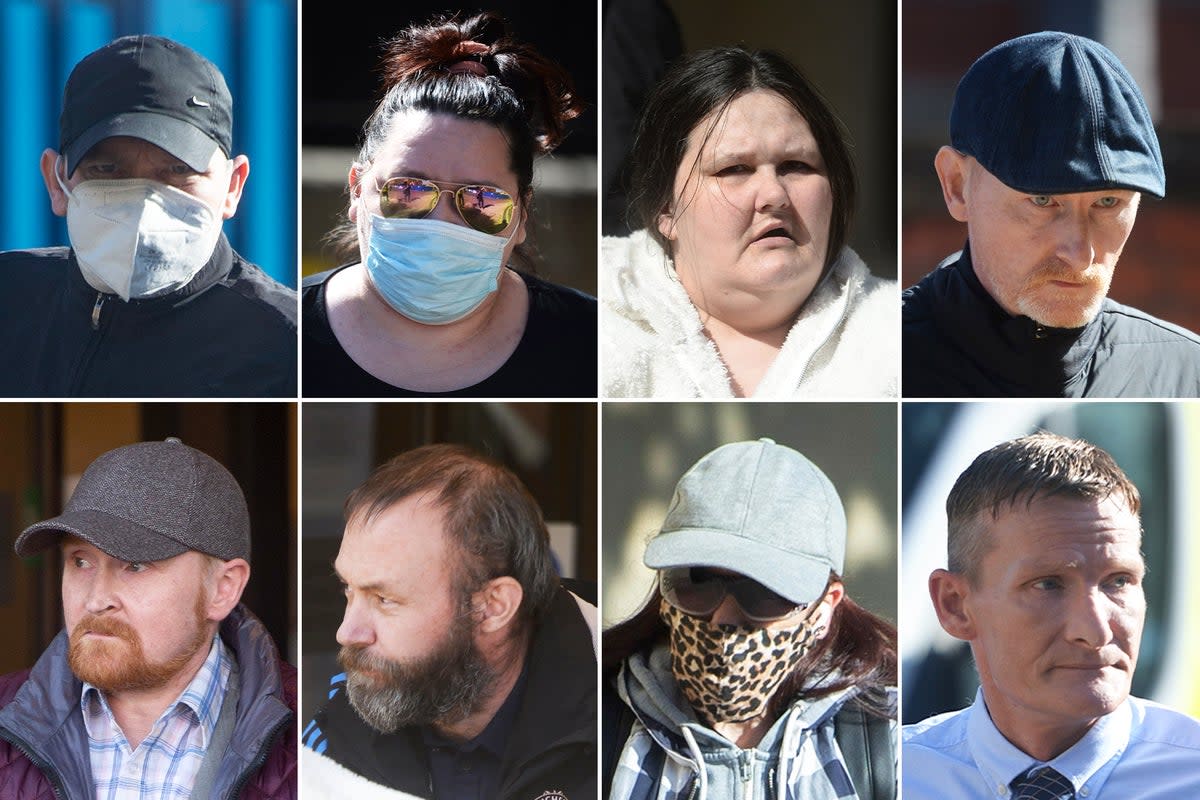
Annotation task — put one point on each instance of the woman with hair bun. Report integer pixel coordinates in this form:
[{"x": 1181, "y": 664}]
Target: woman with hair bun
[{"x": 438, "y": 294}]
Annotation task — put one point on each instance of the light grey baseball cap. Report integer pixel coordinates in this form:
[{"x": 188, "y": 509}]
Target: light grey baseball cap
[
  {"x": 759, "y": 509},
  {"x": 149, "y": 501}
]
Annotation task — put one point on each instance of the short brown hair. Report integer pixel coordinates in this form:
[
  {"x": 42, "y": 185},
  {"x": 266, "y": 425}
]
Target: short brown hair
[
  {"x": 488, "y": 513},
  {"x": 1023, "y": 470}
]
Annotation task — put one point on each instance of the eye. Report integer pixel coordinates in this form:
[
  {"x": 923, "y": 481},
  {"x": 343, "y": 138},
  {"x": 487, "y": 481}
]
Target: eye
[
  {"x": 1108, "y": 202},
  {"x": 137, "y": 566},
  {"x": 1122, "y": 581},
  {"x": 384, "y": 601},
  {"x": 80, "y": 563},
  {"x": 733, "y": 169},
  {"x": 1047, "y": 584},
  {"x": 797, "y": 167},
  {"x": 1041, "y": 200}
]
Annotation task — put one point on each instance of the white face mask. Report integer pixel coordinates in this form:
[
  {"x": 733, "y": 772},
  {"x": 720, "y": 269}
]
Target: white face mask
[{"x": 138, "y": 238}]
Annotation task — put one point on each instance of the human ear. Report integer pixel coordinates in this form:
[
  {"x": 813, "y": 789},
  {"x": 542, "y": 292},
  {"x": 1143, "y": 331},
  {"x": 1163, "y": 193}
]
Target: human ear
[
  {"x": 237, "y": 182},
  {"x": 951, "y": 167},
  {"x": 354, "y": 184},
  {"x": 228, "y": 581},
  {"x": 824, "y": 613},
  {"x": 497, "y": 603},
  {"x": 58, "y": 198},
  {"x": 666, "y": 225},
  {"x": 950, "y": 592}
]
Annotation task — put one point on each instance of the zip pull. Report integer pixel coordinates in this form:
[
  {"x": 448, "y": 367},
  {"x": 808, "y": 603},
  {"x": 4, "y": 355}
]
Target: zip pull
[{"x": 96, "y": 311}]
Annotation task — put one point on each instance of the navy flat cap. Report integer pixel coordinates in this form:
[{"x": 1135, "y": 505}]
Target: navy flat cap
[{"x": 1056, "y": 113}]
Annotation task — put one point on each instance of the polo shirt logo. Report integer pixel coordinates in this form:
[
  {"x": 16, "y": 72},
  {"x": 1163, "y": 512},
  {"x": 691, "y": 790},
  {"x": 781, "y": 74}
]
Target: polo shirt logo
[{"x": 551, "y": 794}]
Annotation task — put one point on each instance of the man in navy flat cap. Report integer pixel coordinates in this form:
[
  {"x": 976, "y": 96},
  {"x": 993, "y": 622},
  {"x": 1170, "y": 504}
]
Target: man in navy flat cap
[{"x": 1051, "y": 149}]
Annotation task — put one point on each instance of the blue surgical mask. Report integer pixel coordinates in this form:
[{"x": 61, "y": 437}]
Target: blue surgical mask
[{"x": 431, "y": 271}]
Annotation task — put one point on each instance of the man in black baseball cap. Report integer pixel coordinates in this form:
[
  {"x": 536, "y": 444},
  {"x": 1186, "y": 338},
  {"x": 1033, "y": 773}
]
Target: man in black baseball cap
[
  {"x": 1051, "y": 150},
  {"x": 150, "y": 299},
  {"x": 161, "y": 681}
]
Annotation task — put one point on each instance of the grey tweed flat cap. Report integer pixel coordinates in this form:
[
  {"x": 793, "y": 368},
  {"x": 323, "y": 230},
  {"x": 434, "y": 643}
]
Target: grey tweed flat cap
[{"x": 149, "y": 501}]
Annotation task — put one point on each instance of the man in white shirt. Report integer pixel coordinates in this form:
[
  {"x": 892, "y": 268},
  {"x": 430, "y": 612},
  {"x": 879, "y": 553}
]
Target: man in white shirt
[{"x": 1044, "y": 581}]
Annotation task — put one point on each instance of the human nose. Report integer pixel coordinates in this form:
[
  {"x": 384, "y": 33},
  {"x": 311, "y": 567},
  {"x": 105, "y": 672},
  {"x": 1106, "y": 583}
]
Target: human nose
[
  {"x": 102, "y": 592},
  {"x": 444, "y": 211},
  {"x": 1090, "y": 619},
  {"x": 770, "y": 193},
  {"x": 355, "y": 628},
  {"x": 728, "y": 613},
  {"x": 1075, "y": 241}
]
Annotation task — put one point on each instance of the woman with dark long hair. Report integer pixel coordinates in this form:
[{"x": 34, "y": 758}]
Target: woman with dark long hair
[
  {"x": 437, "y": 292},
  {"x": 749, "y": 672}
]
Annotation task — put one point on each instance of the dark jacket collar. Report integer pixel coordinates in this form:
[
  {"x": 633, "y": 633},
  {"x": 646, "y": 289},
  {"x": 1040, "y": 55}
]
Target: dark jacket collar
[
  {"x": 219, "y": 265},
  {"x": 1017, "y": 352},
  {"x": 44, "y": 719}
]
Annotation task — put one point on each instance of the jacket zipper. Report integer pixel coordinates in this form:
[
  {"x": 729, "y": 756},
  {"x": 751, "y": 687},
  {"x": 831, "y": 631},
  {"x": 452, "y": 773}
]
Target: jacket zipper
[
  {"x": 260, "y": 759},
  {"x": 817, "y": 349},
  {"x": 96, "y": 311},
  {"x": 747, "y": 770},
  {"x": 45, "y": 767}
]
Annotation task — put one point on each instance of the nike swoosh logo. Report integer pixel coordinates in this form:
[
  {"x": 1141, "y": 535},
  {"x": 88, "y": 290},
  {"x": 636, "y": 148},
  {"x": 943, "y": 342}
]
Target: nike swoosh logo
[{"x": 196, "y": 101}]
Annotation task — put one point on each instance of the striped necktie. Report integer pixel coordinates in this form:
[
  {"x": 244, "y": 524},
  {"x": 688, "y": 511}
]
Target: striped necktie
[{"x": 1042, "y": 783}]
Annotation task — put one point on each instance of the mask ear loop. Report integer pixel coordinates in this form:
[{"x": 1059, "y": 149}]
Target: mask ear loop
[{"x": 61, "y": 183}]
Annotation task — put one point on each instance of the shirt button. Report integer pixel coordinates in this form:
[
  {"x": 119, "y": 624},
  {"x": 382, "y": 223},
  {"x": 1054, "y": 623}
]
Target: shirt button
[
  {"x": 1084, "y": 792},
  {"x": 1001, "y": 789}
]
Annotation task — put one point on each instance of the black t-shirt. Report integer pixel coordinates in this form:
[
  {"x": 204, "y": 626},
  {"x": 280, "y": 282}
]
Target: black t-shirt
[{"x": 556, "y": 356}]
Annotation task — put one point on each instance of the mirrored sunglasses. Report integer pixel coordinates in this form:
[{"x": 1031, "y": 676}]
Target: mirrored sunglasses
[
  {"x": 485, "y": 208},
  {"x": 699, "y": 592}
]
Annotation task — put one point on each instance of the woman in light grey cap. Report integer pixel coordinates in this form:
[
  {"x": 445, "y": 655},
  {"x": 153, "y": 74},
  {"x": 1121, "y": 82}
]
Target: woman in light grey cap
[{"x": 750, "y": 672}]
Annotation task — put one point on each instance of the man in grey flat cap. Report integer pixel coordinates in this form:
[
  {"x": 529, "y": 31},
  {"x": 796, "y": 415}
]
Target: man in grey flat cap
[
  {"x": 1051, "y": 148},
  {"x": 162, "y": 684}
]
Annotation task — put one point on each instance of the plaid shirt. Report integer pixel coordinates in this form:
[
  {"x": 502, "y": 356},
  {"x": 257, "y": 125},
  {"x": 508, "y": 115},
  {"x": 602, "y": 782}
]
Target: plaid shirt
[{"x": 166, "y": 762}]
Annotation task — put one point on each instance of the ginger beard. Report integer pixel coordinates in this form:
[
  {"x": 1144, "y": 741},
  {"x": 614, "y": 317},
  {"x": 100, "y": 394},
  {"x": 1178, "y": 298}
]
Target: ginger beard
[
  {"x": 119, "y": 664},
  {"x": 446, "y": 685}
]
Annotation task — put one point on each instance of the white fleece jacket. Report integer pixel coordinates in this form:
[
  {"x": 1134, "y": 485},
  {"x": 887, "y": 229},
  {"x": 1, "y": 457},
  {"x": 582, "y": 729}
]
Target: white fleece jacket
[{"x": 653, "y": 344}]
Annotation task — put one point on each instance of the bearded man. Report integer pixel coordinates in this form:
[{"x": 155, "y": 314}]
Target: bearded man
[
  {"x": 162, "y": 684},
  {"x": 470, "y": 670}
]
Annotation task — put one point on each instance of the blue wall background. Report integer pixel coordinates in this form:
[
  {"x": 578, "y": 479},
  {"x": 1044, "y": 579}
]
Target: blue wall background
[{"x": 253, "y": 42}]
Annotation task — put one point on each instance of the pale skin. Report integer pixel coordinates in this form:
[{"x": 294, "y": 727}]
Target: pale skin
[
  {"x": 749, "y": 228},
  {"x": 750, "y": 732},
  {"x": 396, "y": 573},
  {"x": 1054, "y": 617},
  {"x": 155, "y": 599},
  {"x": 400, "y": 351},
  {"x": 1048, "y": 257},
  {"x": 122, "y": 157}
]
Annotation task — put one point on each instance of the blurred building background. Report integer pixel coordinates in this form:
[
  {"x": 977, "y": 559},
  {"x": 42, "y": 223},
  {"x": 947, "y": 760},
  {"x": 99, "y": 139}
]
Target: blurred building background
[
  {"x": 340, "y": 85},
  {"x": 47, "y": 446},
  {"x": 252, "y": 42},
  {"x": 1158, "y": 447},
  {"x": 648, "y": 446},
  {"x": 550, "y": 446},
  {"x": 1155, "y": 39},
  {"x": 848, "y": 50}
]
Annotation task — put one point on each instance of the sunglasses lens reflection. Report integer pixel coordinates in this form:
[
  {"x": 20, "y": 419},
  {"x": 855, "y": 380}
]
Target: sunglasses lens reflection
[{"x": 484, "y": 208}]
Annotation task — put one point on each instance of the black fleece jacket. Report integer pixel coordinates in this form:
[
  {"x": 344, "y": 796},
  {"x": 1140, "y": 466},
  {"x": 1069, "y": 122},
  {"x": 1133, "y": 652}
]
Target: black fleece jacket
[{"x": 958, "y": 342}]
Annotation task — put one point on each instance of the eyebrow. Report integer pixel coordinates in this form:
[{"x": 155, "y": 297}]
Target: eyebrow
[{"x": 374, "y": 586}]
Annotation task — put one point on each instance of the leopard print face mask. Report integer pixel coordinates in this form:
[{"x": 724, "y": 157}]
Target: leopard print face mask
[{"x": 729, "y": 672}]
